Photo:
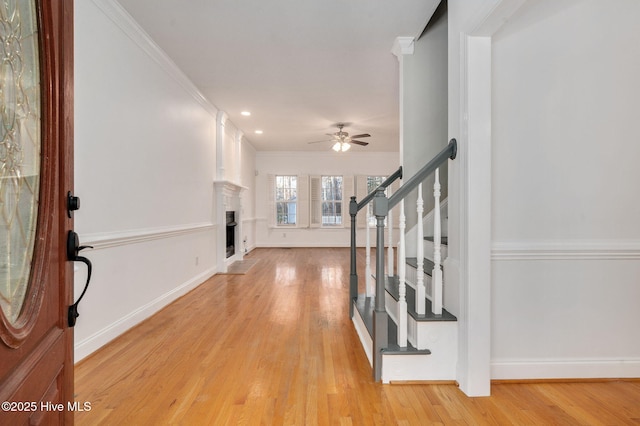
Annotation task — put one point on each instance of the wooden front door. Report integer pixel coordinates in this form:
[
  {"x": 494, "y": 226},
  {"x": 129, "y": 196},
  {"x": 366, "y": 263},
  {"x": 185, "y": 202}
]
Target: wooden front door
[{"x": 36, "y": 173}]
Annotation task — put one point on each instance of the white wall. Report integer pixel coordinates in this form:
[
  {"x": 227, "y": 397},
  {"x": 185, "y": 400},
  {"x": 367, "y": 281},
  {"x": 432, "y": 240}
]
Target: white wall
[
  {"x": 144, "y": 166},
  {"x": 566, "y": 240},
  {"x": 425, "y": 98},
  {"x": 425, "y": 124},
  {"x": 313, "y": 163}
]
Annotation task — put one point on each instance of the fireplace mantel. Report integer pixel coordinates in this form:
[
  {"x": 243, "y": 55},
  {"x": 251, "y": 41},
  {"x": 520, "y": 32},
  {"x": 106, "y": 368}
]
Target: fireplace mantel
[
  {"x": 228, "y": 198},
  {"x": 228, "y": 190}
]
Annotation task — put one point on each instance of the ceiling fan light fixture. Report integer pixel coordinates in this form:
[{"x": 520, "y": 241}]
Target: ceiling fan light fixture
[{"x": 341, "y": 146}]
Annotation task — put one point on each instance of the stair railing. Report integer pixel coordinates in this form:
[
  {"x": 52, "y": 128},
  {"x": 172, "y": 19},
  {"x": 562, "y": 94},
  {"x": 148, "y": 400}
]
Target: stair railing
[
  {"x": 354, "y": 208},
  {"x": 381, "y": 207}
]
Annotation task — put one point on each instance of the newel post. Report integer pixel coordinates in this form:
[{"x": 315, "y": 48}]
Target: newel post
[
  {"x": 353, "y": 276},
  {"x": 380, "y": 316}
]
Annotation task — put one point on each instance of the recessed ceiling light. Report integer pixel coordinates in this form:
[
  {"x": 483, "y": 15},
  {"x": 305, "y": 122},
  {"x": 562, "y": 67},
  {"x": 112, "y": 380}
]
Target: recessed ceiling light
[
  {"x": 245, "y": 113},
  {"x": 258, "y": 132}
]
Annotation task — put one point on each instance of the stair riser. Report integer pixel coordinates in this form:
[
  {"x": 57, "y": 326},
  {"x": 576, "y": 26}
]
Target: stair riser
[
  {"x": 421, "y": 334},
  {"x": 439, "y": 337},
  {"x": 428, "y": 250},
  {"x": 412, "y": 279},
  {"x": 418, "y": 367}
]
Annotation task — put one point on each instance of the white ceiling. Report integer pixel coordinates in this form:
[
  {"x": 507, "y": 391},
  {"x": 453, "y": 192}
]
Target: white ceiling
[{"x": 299, "y": 66}]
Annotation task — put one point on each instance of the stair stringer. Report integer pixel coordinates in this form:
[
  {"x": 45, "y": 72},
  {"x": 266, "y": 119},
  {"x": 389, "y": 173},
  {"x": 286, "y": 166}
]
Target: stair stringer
[{"x": 363, "y": 334}]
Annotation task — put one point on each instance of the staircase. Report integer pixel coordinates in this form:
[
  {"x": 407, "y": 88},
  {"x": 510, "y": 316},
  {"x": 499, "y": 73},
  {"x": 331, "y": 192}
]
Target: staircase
[{"x": 407, "y": 334}]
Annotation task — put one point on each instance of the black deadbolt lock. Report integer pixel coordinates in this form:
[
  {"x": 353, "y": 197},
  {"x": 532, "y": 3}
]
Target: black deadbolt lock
[{"x": 73, "y": 203}]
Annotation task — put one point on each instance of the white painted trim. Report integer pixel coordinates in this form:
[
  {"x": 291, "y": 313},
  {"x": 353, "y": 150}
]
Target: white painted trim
[
  {"x": 104, "y": 336},
  {"x": 565, "y": 368},
  {"x": 475, "y": 217},
  {"x": 227, "y": 184},
  {"x": 492, "y": 16},
  {"x": 303, "y": 245},
  {"x": 403, "y": 46},
  {"x": 566, "y": 250},
  {"x": 473, "y": 214},
  {"x": 116, "y": 13},
  {"x": 250, "y": 219},
  {"x": 114, "y": 239}
]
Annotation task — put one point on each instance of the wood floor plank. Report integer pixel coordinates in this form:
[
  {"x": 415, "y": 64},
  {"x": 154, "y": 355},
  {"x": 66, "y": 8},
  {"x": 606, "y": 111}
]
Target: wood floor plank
[{"x": 276, "y": 346}]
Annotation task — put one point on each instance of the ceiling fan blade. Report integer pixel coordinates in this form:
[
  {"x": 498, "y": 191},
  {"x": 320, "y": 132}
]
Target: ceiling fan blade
[
  {"x": 364, "y": 135},
  {"x": 326, "y": 140},
  {"x": 359, "y": 142}
]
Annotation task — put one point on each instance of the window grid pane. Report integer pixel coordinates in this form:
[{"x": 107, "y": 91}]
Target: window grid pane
[
  {"x": 286, "y": 197},
  {"x": 331, "y": 200},
  {"x": 372, "y": 183}
]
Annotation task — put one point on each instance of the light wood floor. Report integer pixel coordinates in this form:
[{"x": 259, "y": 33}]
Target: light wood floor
[{"x": 276, "y": 346}]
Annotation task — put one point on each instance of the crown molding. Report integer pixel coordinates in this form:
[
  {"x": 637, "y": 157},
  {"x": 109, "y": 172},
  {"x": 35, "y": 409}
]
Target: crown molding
[
  {"x": 403, "y": 46},
  {"x": 119, "y": 16}
]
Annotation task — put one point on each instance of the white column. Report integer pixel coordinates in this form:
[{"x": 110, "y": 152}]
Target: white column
[
  {"x": 436, "y": 274},
  {"x": 402, "y": 287},
  {"x": 220, "y": 151},
  {"x": 420, "y": 289}
]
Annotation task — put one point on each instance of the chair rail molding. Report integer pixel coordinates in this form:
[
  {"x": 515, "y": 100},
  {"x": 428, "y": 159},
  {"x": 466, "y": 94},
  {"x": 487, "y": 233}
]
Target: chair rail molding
[
  {"x": 566, "y": 250},
  {"x": 114, "y": 239}
]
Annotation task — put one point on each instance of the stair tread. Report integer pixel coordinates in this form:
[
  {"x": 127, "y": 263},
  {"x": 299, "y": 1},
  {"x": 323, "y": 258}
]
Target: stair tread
[
  {"x": 427, "y": 264},
  {"x": 443, "y": 240},
  {"x": 391, "y": 285},
  {"x": 365, "y": 306}
]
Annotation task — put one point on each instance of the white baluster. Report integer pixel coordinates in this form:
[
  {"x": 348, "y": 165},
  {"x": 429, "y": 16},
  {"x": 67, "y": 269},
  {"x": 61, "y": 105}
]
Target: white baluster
[
  {"x": 436, "y": 274},
  {"x": 390, "y": 238},
  {"x": 369, "y": 283},
  {"x": 402, "y": 287},
  {"x": 420, "y": 289}
]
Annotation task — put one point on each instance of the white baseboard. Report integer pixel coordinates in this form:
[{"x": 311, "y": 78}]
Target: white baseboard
[
  {"x": 565, "y": 369},
  {"x": 407, "y": 368},
  {"x": 303, "y": 245},
  {"x": 104, "y": 336}
]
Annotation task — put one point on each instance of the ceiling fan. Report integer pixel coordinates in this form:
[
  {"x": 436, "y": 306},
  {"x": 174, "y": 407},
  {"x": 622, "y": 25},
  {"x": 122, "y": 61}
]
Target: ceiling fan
[{"x": 342, "y": 140}]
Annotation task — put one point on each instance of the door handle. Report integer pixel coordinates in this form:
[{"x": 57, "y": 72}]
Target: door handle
[{"x": 73, "y": 250}]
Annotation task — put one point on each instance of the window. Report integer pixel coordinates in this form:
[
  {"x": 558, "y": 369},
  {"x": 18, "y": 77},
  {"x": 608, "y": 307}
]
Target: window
[
  {"x": 372, "y": 183},
  {"x": 286, "y": 200},
  {"x": 331, "y": 200}
]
